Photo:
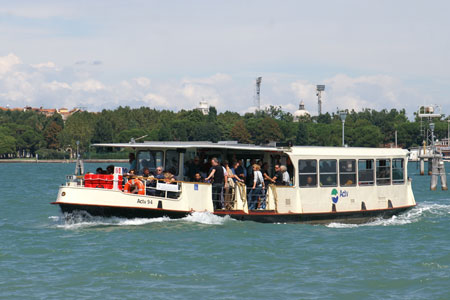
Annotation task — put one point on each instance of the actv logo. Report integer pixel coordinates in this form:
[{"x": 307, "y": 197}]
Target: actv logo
[{"x": 335, "y": 195}]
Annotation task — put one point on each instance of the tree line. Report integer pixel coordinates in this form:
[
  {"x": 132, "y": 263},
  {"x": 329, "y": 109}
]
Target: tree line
[{"x": 25, "y": 134}]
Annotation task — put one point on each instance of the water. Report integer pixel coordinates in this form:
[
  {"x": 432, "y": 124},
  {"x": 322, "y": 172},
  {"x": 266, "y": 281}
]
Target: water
[{"x": 42, "y": 256}]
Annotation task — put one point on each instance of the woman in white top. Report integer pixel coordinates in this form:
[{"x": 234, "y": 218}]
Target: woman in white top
[{"x": 257, "y": 189}]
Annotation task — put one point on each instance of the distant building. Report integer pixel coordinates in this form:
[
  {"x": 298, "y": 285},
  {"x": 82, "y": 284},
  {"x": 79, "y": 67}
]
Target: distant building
[
  {"x": 48, "y": 112},
  {"x": 301, "y": 112},
  {"x": 203, "y": 107}
]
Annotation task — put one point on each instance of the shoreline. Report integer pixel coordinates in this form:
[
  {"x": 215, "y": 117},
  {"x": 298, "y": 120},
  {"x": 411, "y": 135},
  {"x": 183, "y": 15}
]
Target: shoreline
[{"x": 66, "y": 161}]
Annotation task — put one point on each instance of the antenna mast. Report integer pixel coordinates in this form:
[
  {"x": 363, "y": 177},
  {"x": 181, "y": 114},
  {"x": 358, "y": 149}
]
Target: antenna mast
[
  {"x": 319, "y": 89},
  {"x": 258, "y": 93}
]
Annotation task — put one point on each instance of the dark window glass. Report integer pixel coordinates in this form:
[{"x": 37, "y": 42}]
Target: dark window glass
[
  {"x": 149, "y": 159},
  {"x": 328, "y": 172},
  {"x": 365, "y": 172},
  {"x": 347, "y": 172},
  {"x": 383, "y": 171},
  {"x": 307, "y": 171},
  {"x": 398, "y": 171},
  {"x": 172, "y": 158}
]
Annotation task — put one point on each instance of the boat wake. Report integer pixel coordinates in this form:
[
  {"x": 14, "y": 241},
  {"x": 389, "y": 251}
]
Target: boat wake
[
  {"x": 422, "y": 210},
  {"x": 80, "y": 220}
]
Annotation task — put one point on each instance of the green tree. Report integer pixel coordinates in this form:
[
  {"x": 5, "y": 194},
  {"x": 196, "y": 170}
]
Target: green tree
[
  {"x": 240, "y": 133},
  {"x": 7, "y": 144}
]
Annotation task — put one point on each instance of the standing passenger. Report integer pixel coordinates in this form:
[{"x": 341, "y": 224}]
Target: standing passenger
[
  {"x": 257, "y": 189},
  {"x": 285, "y": 175},
  {"x": 217, "y": 174}
]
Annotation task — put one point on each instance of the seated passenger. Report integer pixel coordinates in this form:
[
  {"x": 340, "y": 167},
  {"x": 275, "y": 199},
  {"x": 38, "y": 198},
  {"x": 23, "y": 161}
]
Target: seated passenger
[
  {"x": 100, "y": 171},
  {"x": 110, "y": 169},
  {"x": 198, "y": 178},
  {"x": 146, "y": 173},
  {"x": 169, "y": 177},
  {"x": 159, "y": 173}
]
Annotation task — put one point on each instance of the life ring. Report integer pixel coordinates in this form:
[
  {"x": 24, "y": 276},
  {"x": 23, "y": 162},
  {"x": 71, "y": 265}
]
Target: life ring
[{"x": 138, "y": 183}]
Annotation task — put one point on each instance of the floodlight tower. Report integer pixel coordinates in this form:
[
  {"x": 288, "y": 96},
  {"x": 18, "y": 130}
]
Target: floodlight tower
[
  {"x": 258, "y": 93},
  {"x": 319, "y": 89}
]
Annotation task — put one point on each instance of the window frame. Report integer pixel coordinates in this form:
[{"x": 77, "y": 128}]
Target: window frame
[
  {"x": 379, "y": 179},
  {"x": 354, "y": 173},
  {"x": 304, "y": 175},
  {"x": 360, "y": 170},
  {"x": 335, "y": 173},
  {"x": 402, "y": 180}
]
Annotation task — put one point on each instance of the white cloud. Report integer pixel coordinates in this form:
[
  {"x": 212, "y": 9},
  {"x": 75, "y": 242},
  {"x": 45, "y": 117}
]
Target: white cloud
[
  {"x": 143, "y": 81},
  {"x": 90, "y": 85},
  {"x": 56, "y": 85},
  {"x": 8, "y": 62},
  {"x": 154, "y": 100},
  {"x": 22, "y": 84},
  {"x": 47, "y": 65}
]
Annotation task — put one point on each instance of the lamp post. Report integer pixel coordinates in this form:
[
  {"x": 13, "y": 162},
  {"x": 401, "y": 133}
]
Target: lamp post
[
  {"x": 448, "y": 133},
  {"x": 343, "y": 115}
]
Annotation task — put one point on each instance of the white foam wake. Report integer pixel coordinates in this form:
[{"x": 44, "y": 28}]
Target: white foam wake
[
  {"x": 206, "y": 218},
  {"x": 81, "y": 220},
  {"x": 422, "y": 210},
  {"x": 84, "y": 220}
]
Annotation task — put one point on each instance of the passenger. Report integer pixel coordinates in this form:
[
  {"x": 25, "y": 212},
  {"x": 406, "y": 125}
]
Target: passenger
[
  {"x": 309, "y": 182},
  {"x": 110, "y": 169},
  {"x": 99, "y": 171},
  {"x": 168, "y": 177},
  {"x": 290, "y": 167},
  {"x": 146, "y": 174},
  {"x": 148, "y": 178},
  {"x": 194, "y": 168},
  {"x": 217, "y": 174},
  {"x": 285, "y": 174},
  {"x": 159, "y": 173},
  {"x": 278, "y": 178},
  {"x": 249, "y": 178},
  {"x": 132, "y": 160},
  {"x": 229, "y": 186},
  {"x": 235, "y": 177},
  {"x": 198, "y": 178},
  {"x": 240, "y": 170},
  {"x": 157, "y": 177},
  {"x": 257, "y": 189},
  {"x": 265, "y": 173}
]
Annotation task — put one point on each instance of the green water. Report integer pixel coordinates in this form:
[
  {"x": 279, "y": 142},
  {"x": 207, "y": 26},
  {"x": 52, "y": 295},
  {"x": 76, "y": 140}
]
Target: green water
[{"x": 42, "y": 256}]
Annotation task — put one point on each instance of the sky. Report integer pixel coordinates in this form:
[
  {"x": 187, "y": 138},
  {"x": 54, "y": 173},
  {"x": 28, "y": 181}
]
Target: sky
[{"x": 173, "y": 54}]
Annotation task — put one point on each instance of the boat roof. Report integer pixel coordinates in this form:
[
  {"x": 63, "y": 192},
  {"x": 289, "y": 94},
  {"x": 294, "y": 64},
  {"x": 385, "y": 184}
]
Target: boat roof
[
  {"x": 294, "y": 150},
  {"x": 174, "y": 145}
]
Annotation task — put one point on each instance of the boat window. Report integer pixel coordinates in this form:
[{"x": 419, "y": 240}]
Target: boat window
[
  {"x": 328, "y": 172},
  {"x": 347, "y": 172},
  {"x": 365, "y": 171},
  {"x": 172, "y": 157},
  {"x": 398, "y": 171},
  {"x": 307, "y": 171},
  {"x": 149, "y": 159},
  {"x": 383, "y": 171}
]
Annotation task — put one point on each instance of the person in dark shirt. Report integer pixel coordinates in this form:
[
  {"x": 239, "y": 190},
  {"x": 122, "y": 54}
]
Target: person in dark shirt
[
  {"x": 278, "y": 178},
  {"x": 217, "y": 187},
  {"x": 265, "y": 173},
  {"x": 194, "y": 168}
]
